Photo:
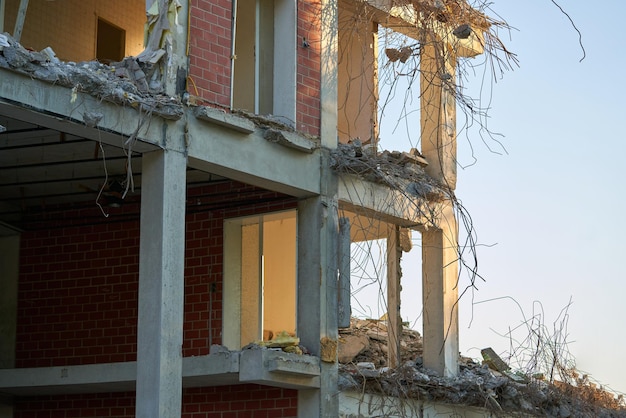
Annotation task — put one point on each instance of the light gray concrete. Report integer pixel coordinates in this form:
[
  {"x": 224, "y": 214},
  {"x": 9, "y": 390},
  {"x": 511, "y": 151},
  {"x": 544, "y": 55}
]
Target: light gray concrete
[
  {"x": 52, "y": 106},
  {"x": 365, "y": 405},
  {"x": 223, "y": 118},
  {"x": 251, "y": 159},
  {"x": 285, "y": 58},
  {"x": 317, "y": 299},
  {"x": 161, "y": 285},
  {"x": 344, "y": 310},
  {"x": 380, "y": 202},
  {"x": 211, "y": 370},
  {"x": 277, "y": 368}
]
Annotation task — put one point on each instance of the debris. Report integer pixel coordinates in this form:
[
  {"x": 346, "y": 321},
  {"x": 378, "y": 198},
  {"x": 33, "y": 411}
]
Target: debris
[
  {"x": 351, "y": 346},
  {"x": 93, "y": 78},
  {"x": 280, "y": 340},
  {"x": 476, "y": 385},
  {"x": 92, "y": 119},
  {"x": 290, "y": 139},
  {"x": 2, "y": 129},
  {"x": 493, "y": 360},
  {"x": 3, "y": 41},
  {"x": 462, "y": 32},
  {"x": 328, "y": 350}
]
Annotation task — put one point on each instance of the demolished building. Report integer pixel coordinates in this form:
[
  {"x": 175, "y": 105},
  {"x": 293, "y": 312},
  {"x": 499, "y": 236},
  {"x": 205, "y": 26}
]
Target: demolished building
[{"x": 175, "y": 188}]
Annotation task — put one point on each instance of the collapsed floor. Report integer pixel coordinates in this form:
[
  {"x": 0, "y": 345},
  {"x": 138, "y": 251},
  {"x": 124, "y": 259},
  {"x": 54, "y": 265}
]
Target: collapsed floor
[{"x": 363, "y": 366}]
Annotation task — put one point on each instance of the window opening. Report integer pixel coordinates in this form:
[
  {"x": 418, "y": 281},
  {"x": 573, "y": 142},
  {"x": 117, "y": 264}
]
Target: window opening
[
  {"x": 259, "y": 278},
  {"x": 110, "y": 42}
]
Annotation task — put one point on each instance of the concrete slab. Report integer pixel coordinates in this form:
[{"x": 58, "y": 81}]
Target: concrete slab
[{"x": 277, "y": 368}]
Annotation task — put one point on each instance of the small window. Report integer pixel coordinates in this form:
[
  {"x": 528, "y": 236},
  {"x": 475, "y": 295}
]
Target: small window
[
  {"x": 259, "y": 278},
  {"x": 110, "y": 42}
]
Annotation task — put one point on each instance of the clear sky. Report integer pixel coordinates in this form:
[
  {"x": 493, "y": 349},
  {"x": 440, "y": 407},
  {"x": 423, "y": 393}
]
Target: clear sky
[{"x": 550, "y": 212}]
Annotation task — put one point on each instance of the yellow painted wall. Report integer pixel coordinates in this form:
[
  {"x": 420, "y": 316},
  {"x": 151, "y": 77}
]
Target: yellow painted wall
[
  {"x": 69, "y": 26},
  {"x": 279, "y": 250},
  {"x": 357, "y": 93}
]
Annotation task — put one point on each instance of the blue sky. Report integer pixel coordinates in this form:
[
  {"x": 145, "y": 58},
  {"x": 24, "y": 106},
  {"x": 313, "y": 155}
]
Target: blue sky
[{"x": 550, "y": 211}]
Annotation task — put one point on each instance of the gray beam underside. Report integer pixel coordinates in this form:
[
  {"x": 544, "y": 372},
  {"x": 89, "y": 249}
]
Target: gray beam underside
[
  {"x": 111, "y": 377},
  {"x": 250, "y": 158}
]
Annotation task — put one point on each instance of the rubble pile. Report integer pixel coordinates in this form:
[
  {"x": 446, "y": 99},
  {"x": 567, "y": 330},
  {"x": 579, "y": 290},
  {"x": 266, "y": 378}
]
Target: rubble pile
[
  {"x": 402, "y": 171},
  {"x": 123, "y": 83},
  {"x": 363, "y": 367}
]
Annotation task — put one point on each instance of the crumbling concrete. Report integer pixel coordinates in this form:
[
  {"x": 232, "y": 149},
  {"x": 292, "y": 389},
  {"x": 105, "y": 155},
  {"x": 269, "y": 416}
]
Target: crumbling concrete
[
  {"x": 476, "y": 385},
  {"x": 121, "y": 83}
]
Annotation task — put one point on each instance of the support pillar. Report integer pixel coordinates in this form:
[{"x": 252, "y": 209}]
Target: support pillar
[
  {"x": 440, "y": 244},
  {"x": 344, "y": 311},
  {"x": 161, "y": 285},
  {"x": 440, "y": 274},
  {"x": 317, "y": 301},
  {"x": 394, "y": 273}
]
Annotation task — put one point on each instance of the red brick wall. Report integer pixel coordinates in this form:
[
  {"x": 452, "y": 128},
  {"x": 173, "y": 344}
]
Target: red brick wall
[
  {"x": 210, "y": 50},
  {"x": 77, "y": 299},
  {"x": 309, "y": 67},
  {"x": 240, "y": 401},
  {"x": 210, "y": 64}
]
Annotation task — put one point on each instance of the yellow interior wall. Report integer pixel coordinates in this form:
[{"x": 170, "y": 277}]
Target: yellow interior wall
[
  {"x": 357, "y": 93},
  {"x": 279, "y": 249},
  {"x": 69, "y": 26}
]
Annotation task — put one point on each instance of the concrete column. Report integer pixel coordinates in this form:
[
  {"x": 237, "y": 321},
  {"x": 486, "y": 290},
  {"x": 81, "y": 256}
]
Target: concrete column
[
  {"x": 394, "y": 273},
  {"x": 161, "y": 285},
  {"x": 317, "y": 301},
  {"x": 9, "y": 274},
  {"x": 440, "y": 273},
  {"x": 438, "y": 112},
  {"x": 440, "y": 246},
  {"x": 344, "y": 310}
]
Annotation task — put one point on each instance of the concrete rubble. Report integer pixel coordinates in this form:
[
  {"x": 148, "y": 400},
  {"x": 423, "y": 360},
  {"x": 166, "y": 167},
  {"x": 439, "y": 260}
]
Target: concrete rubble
[
  {"x": 122, "y": 83},
  {"x": 399, "y": 170},
  {"x": 363, "y": 367}
]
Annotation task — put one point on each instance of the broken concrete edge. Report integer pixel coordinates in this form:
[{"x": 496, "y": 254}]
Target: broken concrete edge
[
  {"x": 290, "y": 140},
  {"x": 363, "y": 366},
  {"x": 90, "y": 77},
  {"x": 223, "y": 118},
  {"x": 397, "y": 170}
]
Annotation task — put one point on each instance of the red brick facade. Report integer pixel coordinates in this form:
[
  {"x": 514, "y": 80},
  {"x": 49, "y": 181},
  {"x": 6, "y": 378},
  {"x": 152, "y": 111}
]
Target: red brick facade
[
  {"x": 77, "y": 298},
  {"x": 241, "y": 401},
  {"x": 210, "y": 27},
  {"x": 309, "y": 67},
  {"x": 210, "y": 45}
]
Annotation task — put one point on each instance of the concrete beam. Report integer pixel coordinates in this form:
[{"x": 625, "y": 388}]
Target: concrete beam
[
  {"x": 405, "y": 19},
  {"x": 440, "y": 275},
  {"x": 212, "y": 370},
  {"x": 161, "y": 285},
  {"x": 381, "y": 203},
  {"x": 277, "y": 368},
  {"x": 251, "y": 159},
  {"x": 52, "y": 106}
]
